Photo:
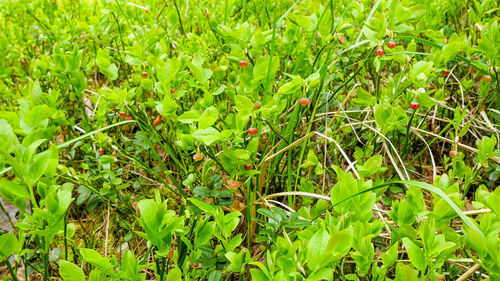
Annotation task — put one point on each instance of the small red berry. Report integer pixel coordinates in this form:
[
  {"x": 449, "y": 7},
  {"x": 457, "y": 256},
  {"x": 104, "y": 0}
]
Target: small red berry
[
  {"x": 233, "y": 184},
  {"x": 173, "y": 91},
  {"x": 445, "y": 72},
  {"x": 197, "y": 28},
  {"x": 113, "y": 154},
  {"x": 486, "y": 78},
  {"x": 198, "y": 157},
  {"x": 204, "y": 13},
  {"x": 391, "y": 44},
  {"x": 101, "y": 151},
  {"x": 64, "y": 133},
  {"x": 243, "y": 63},
  {"x": 304, "y": 101},
  {"x": 380, "y": 52},
  {"x": 253, "y": 131},
  {"x": 123, "y": 114},
  {"x": 144, "y": 74},
  {"x": 147, "y": 11},
  {"x": 453, "y": 153},
  {"x": 414, "y": 105},
  {"x": 341, "y": 40},
  {"x": 128, "y": 118},
  {"x": 23, "y": 62},
  {"x": 248, "y": 167},
  {"x": 257, "y": 105}
]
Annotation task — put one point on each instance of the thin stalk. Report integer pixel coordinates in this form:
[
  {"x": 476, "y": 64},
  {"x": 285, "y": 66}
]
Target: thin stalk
[
  {"x": 405, "y": 147},
  {"x": 11, "y": 271},
  {"x": 179, "y": 16},
  {"x": 431, "y": 142},
  {"x": 65, "y": 236}
]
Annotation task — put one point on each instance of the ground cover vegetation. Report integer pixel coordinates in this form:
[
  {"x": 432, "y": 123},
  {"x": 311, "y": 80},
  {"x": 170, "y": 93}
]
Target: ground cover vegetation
[{"x": 250, "y": 140}]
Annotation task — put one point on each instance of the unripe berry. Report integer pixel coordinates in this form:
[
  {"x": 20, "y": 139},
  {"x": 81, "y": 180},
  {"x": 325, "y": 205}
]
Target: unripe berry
[
  {"x": 253, "y": 131},
  {"x": 391, "y": 45},
  {"x": 198, "y": 157},
  {"x": 233, "y": 184},
  {"x": 304, "y": 101},
  {"x": 414, "y": 105}
]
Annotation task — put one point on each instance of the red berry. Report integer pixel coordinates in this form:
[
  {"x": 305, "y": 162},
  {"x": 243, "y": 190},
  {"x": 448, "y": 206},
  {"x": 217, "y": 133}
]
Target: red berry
[
  {"x": 253, "y": 131},
  {"x": 453, "y": 153},
  {"x": 341, "y": 40},
  {"x": 197, "y": 28},
  {"x": 23, "y": 62},
  {"x": 304, "y": 101},
  {"x": 445, "y": 72},
  {"x": 147, "y": 11},
  {"x": 257, "y": 105},
  {"x": 233, "y": 184},
  {"x": 248, "y": 167},
  {"x": 64, "y": 133},
  {"x": 198, "y": 157},
  {"x": 101, "y": 151},
  {"x": 486, "y": 78},
  {"x": 173, "y": 91},
  {"x": 243, "y": 63},
  {"x": 123, "y": 114},
  {"x": 204, "y": 13},
  {"x": 380, "y": 52},
  {"x": 414, "y": 105},
  {"x": 391, "y": 44},
  {"x": 113, "y": 154},
  {"x": 128, "y": 118},
  {"x": 144, "y": 74}
]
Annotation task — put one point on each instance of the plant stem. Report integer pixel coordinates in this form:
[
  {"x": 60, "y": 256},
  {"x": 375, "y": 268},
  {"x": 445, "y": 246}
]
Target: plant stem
[{"x": 12, "y": 273}]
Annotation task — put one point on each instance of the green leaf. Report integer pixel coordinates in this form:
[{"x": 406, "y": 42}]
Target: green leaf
[
  {"x": 492, "y": 200},
  {"x": 8, "y": 140},
  {"x": 70, "y": 271},
  {"x": 292, "y": 86},
  {"x": 405, "y": 273},
  {"x": 244, "y": 106},
  {"x": 206, "y": 136},
  {"x": 204, "y": 230},
  {"x": 189, "y": 117},
  {"x": 105, "y": 66},
  {"x": 340, "y": 243},
  {"x": 208, "y": 117},
  {"x": 486, "y": 147},
  {"x": 258, "y": 275},
  {"x": 372, "y": 166},
  {"x": 174, "y": 274},
  {"x": 416, "y": 254},
  {"x": 375, "y": 28},
  {"x": 209, "y": 209},
  {"x": 317, "y": 248},
  {"x": 8, "y": 245},
  {"x": 12, "y": 188},
  {"x": 94, "y": 258},
  {"x": 38, "y": 167},
  {"x": 391, "y": 255}
]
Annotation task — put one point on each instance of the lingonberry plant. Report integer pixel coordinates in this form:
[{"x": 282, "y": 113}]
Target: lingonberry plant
[{"x": 249, "y": 140}]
